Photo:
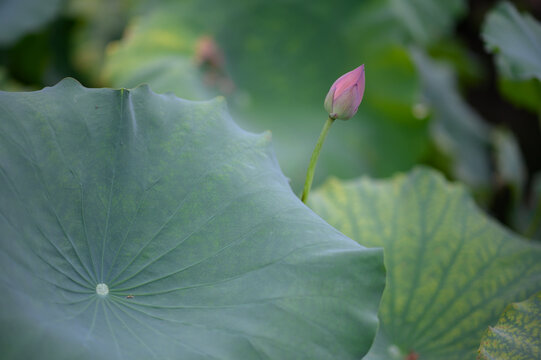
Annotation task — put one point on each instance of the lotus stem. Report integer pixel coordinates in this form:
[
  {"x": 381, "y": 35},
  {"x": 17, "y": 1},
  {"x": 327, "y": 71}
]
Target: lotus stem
[{"x": 313, "y": 159}]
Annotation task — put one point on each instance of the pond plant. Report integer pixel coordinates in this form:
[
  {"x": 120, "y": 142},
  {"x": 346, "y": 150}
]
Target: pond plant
[{"x": 153, "y": 214}]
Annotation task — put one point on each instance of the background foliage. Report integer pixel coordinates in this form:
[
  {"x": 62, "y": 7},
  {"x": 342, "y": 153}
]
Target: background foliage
[
  {"x": 433, "y": 91},
  {"x": 450, "y": 85}
]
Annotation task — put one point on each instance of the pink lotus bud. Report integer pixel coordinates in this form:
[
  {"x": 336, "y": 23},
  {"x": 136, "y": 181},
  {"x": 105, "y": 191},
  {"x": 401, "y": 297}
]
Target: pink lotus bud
[{"x": 346, "y": 94}]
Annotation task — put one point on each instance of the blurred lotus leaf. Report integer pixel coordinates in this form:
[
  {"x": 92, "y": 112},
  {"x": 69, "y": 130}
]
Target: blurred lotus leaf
[
  {"x": 20, "y": 17},
  {"x": 516, "y": 40}
]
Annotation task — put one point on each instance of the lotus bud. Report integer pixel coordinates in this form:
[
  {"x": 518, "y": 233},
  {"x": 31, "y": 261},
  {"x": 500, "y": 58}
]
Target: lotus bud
[{"x": 345, "y": 95}]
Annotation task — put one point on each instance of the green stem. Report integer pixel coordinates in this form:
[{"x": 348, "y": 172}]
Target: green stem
[{"x": 313, "y": 159}]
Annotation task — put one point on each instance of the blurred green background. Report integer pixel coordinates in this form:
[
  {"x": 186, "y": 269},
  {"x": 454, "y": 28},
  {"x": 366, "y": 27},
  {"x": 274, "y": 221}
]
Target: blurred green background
[{"x": 438, "y": 92}]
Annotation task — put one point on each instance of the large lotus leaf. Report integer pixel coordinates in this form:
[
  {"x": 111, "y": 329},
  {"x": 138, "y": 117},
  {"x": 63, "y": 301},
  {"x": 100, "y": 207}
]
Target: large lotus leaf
[
  {"x": 516, "y": 39},
  {"x": 143, "y": 226},
  {"x": 451, "y": 270},
  {"x": 517, "y": 335},
  {"x": 19, "y": 17},
  {"x": 281, "y": 59}
]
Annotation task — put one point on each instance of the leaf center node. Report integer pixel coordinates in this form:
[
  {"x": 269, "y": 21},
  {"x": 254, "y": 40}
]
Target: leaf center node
[{"x": 102, "y": 289}]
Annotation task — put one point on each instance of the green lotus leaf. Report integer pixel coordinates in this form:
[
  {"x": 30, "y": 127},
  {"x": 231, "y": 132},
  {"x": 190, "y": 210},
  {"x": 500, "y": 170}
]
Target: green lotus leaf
[
  {"x": 427, "y": 20},
  {"x": 517, "y": 335},
  {"x": 516, "y": 40},
  {"x": 451, "y": 270},
  {"x": 20, "y": 17},
  {"x": 143, "y": 226}
]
